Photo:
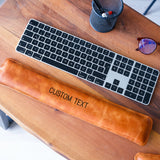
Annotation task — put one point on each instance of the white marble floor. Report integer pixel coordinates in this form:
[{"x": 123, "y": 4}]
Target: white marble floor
[{"x": 17, "y": 144}]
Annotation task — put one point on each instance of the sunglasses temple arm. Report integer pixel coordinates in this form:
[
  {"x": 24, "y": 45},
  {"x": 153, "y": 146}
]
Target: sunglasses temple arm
[{"x": 137, "y": 49}]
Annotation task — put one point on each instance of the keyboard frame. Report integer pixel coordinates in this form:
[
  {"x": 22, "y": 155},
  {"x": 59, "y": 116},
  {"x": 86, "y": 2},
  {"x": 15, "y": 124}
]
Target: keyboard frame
[{"x": 98, "y": 46}]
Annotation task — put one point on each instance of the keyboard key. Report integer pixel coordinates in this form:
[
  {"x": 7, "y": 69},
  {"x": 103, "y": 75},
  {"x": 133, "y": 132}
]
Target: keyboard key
[
  {"x": 137, "y": 84},
  {"x": 88, "y": 45},
  {"x": 27, "y": 39},
  {"x": 155, "y": 72},
  {"x": 137, "y": 65},
  {"x": 90, "y": 78},
  {"x": 37, "y": 56},
  {"x": 41, "y": 25},
  {"x": 21, "y": 49},
  {"x": 143, "y": 86},
  {"x": 149, "y": 70},
  {"x": 130, "y": 94},
  {"x": 106, "y": 52},
  {"x": 83, "y": 68},
  {"x": 35, "y": 36},
  {"x": 94, "y": 47},
  {"x": 99, "y": 75},
  {"x": 146, "y": 98},
  {"x": 29, "y": 53},
  {"x": 22, "y": 43},
  {"x": 116, "y": 82},
  {"x": 107, "y": 59},
  {"x": 126, "y": 73},
  {"x": 82, "y": 75},
  {"x": 58, "y": 33},
  {"x": 145, "y": 81},
  {"x": 133, "y": 76},
  {"x": 147, "y": 75},
  {"x": 35, "y": 42},
  {"x": 53, "y": 56},
  {"x": 29, "y": 27},
  {"x": 101, "y": 63},
  {"x": 41, "y": 51},
  {"x": 59, "y": 65},
  {"x": 124, "y": 60},
  {"x": 153, "y": 78},
  {"x": 111, "y": 54},
  {"x": 116, "y": 63},
  {"x": 47, "y": 54},
  {"x": 100, "y": 69},
  {"x": 151, "y": 84},
  {"x": 88, "y": 64},
  {"x": 141, "y": 73},
  {"x": 139, "y": 98},
  {"x": 120, "y": 71},
  {"x": 35, "y": 49},
  {"x": 94, "y": 54},
  {"x": 149, "y": 89},
  {"x": 131, "y": 81},
  {"x": 143, "y": 67},
  {"x": 28, "y": 33},
  {"x": 135, "y": 70},
  {"x": 35, "y": 29},
  {"x": 70, "y": 37},
  {"x": 107, "y": 85},
  {"x": 59, "y": 59},
  {"x": 47, "y": 28},
  {"x": 41, "y": 32},
  {"x": 114, "y": 68},
  {"x": 141, "y": 92},
  {"x": 65, "y": 61},
  {"x": 113, "y": 88},
  {"x": 94, "y": 66},
  {"x": 120, "y": 90},
  {"x": 83, "y": 55},
  {"x": 100, "y": 56},
  {"x": 89, "y": 71},
  {"x": 129, "y": 87},
  {"x": 100, "y": 50},
  {"x": 135, "y": 90},
  {"x": 128, "y": 68},
  {"x": 139, "y": 79},
  {"x": 76, "y": 40},
  {"x": 122, "y": 65},
  {"x": 130, "y": 62},
  {"x": 99, "y": 82},
  {"x": 33, "y": 22},
  {"x": 118, "y": 57}
]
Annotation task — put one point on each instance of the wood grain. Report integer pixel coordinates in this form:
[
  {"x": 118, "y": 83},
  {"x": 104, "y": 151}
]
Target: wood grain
[{"x": 71, "y": 137}]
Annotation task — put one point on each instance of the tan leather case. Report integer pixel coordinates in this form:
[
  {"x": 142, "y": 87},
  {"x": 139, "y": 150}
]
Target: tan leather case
[
  {"x": 122, "y": 121},
  {"x": 146, "y": 156}
]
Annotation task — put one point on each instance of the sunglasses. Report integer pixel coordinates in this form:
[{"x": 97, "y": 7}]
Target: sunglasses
[{"x": 146, "y": 45}]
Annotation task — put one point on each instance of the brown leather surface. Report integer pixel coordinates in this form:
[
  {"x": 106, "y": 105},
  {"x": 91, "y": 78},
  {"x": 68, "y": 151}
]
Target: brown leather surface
[
  {"x": 146, "y": 156},
  {"x": 119, "y": 120}
]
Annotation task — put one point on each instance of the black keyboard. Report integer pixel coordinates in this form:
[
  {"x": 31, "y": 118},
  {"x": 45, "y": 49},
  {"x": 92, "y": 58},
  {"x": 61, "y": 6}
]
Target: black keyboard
[{"x": 88, "y": 61}]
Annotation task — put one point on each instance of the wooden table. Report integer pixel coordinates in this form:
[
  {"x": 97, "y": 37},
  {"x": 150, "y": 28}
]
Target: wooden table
[{"x": 70, "y": 136}]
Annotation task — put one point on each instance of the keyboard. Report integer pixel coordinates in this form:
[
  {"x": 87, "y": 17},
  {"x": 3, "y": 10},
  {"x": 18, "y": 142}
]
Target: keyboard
[{"x": 88, "y": 61}]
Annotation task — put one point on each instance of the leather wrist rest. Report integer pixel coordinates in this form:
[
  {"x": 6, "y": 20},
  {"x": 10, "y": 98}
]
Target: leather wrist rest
[
  {"x": 146, "y": 156},
  {"x": 117, "y": 119}
]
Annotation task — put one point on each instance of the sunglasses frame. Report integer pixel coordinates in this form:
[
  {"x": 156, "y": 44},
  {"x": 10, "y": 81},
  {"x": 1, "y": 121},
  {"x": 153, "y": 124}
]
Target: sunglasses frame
[{"x": 140, "y": 38}]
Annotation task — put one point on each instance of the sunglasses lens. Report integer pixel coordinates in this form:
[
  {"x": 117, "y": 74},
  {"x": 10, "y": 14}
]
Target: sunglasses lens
[{"x": 147, "y": 46}]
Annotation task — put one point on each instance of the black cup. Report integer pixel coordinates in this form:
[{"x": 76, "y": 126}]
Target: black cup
[{"x": 105, "y": 24}]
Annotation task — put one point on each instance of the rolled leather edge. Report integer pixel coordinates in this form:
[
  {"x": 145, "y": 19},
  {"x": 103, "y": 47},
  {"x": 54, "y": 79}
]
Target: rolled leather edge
[
  {"x": 146, "y": 156},
  {"x": 117, "y": 119}
]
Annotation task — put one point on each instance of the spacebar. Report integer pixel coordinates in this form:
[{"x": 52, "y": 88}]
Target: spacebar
[{"x": 59, "y": 65}]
